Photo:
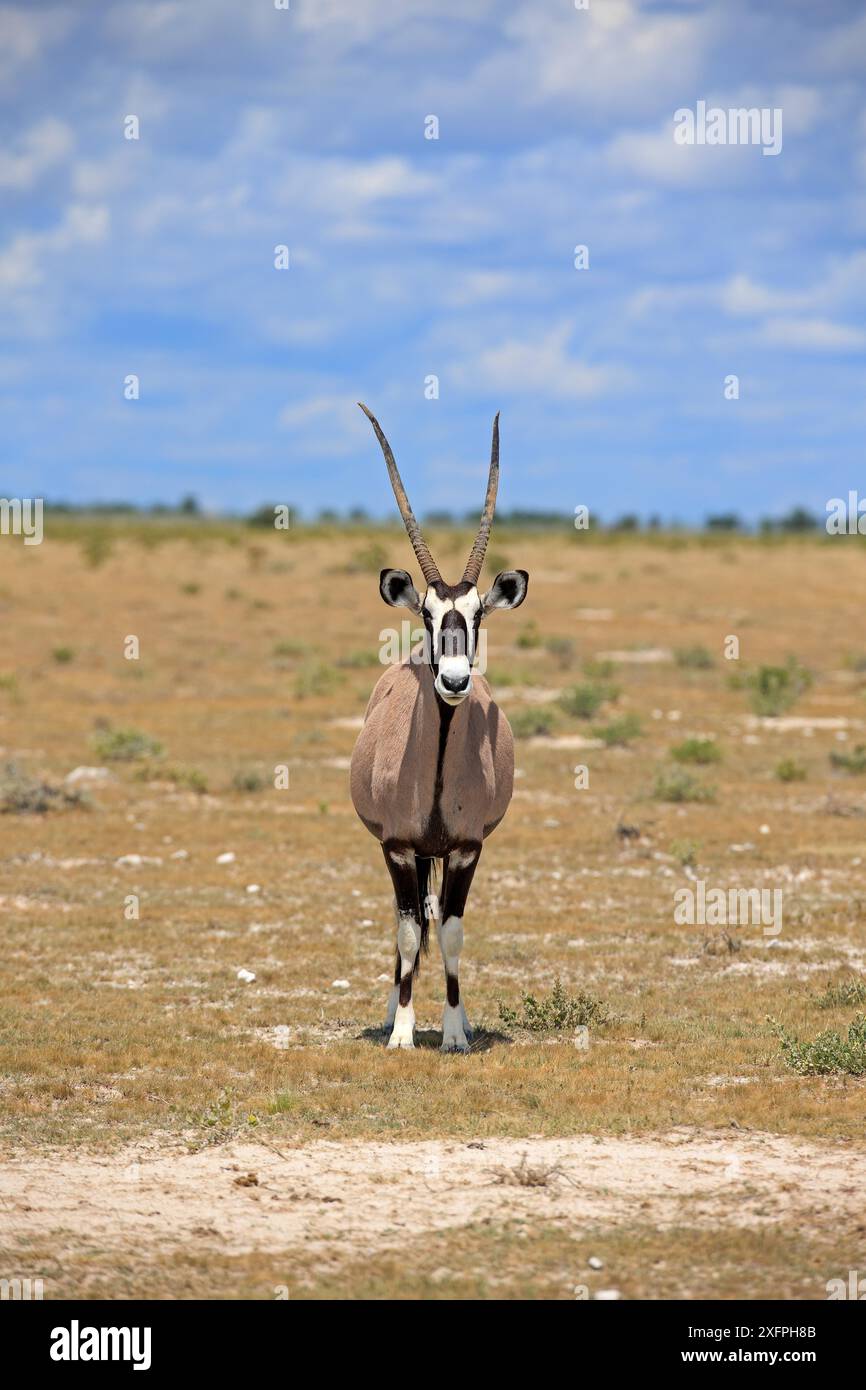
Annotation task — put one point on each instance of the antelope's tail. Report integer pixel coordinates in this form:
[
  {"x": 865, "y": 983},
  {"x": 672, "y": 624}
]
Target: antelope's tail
[{"x": 429, "y": 879}]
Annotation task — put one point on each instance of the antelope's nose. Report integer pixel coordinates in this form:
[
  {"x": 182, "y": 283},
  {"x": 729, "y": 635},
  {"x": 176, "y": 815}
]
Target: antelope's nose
[{"x": 455, "y": 685}]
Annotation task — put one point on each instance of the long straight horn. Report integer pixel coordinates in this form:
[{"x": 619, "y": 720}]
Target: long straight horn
[
  {"x": 476, "y": 555},
  {"x": 419, "y": 545}
]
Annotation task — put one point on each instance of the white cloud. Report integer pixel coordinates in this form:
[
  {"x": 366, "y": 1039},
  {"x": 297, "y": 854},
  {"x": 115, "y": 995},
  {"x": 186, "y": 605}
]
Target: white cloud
[
  {"x": 39, "y": 149},
  {"x": 542, "y": 365},
  {"x": 613, "y": 56},
  {"x": 326, "y": 423},
  {"x": 26, "y": 34},
  {"x": 23, "y": 262},
  {"x": 813, "y": 335}
]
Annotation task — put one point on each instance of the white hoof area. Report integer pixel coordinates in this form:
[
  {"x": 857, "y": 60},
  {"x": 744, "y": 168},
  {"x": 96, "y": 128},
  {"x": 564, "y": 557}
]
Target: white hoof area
[
  {"x": 453, "y": 1030},
  {"x": 403, "y": 1033}
]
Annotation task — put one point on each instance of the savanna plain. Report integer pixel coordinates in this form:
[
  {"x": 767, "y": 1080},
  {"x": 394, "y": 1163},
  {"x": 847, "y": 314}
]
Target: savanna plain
[{"x": 198, "y": 936}]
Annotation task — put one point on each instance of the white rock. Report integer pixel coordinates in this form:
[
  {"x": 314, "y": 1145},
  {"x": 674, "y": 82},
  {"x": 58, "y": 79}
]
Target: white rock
[
  {"x": 87, "y": 774},
  {"x": 764, "y": 830},
  {"x": 227, "y": 858},
  {"x": 253, "y": 888},
  {"x": 607, "y": 1295},
  {"x": 134, "y": 860},
  {"x": 595, "y": 1263},
  {"x": 339, "y": 984},
  {"x": 247, "y": 976},
  {"x": 367, "y": 922}
]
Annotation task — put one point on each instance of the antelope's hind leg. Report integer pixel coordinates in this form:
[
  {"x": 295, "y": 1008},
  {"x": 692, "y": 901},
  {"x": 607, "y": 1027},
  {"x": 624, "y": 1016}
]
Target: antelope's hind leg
[
  {"x": 460, "y": 867},
  {"x": 404, "y": 876}
]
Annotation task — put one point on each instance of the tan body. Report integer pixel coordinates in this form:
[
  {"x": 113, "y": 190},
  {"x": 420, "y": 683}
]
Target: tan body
[{"x": 426, "y": 775}]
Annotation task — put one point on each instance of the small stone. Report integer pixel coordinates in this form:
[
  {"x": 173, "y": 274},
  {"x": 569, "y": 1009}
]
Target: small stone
[
  {"x": 227, "y": 858},
  {"x": 246, "y": 975},
  {"x": 607, "y": 1295},
  {"x": 253, "y": 888},
  {"x": 339, "y": 984},
  {"x": 87, "y": 774},
  {"x": 595, "y": 1263}
]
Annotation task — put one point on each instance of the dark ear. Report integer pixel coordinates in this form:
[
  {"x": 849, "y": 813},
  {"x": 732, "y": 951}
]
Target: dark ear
[
  {"x": 508, "y": 590},
  {"x": 396, "y": 588}
]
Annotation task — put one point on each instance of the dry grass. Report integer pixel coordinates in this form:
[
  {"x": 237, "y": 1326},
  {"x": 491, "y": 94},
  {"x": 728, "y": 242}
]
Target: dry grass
[{"x": 116, "y": 1028}]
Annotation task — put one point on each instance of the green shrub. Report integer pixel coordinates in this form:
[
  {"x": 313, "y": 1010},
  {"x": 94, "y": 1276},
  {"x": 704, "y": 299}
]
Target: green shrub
[
  {"x": 598, "y": 670},
  {"x": 619, "y": 732},
  {"x": 497, "y": 561},
  {"x": 369, "y": 559},
  {"x": 125, "y": 745},
  {"x": 21, "y": 795},
  {"x": 563, "y": 651},
  {"x": 830, "y": 1053},
  {"x": 96, "y": 548},
  {"x": 527, "y": 723},
  {"x": 685, "y": 852},
  {"x": 844, "y": 994},
  {"x": 63, "y": 655},
  {"x": 774, "y": 689},
  {"x": 677, "y": 785},
  {"x": 789, "y": 770},
  {"x": 189, "y": 777},
  {"x": 585, "y": 700},
  {"x": 697, "y": 750},
  {"x": 317, "y": 678},
  {"x": 855, "y": 761},
  {"x": 560, "y": 1012},
  {"x": 693, "y": 658},
  {"x": 529, "y": 636},
  {"x": 248, "y": 779},
  {"x": 359, "y": 659},
  {"x": 288, "y": 647}
]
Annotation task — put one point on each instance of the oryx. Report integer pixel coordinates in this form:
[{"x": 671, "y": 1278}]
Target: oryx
[{"x": 433, "y": 768}]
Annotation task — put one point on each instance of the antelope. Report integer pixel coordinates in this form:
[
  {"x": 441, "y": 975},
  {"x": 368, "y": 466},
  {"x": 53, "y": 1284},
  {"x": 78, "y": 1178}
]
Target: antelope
[{"x": 432, "y": 771}]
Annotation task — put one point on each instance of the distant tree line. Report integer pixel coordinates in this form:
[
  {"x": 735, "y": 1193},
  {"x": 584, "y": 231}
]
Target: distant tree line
[{"x": 798, "y": 519}]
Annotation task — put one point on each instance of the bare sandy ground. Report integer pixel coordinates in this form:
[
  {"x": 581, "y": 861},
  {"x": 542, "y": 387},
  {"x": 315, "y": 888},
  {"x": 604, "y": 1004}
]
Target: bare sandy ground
[{"x": 244, "y": 1197}]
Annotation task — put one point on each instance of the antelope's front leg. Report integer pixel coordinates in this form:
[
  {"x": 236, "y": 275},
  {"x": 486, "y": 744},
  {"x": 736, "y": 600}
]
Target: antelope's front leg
[
  {"x": 404, "y": 876},
  {"x": 459, "y": 869}
]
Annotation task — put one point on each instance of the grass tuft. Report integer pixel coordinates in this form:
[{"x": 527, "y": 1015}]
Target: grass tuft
[
  {"x": 697, "y": 750},
  {"x": 125, "y": 745},
  {"x": 678, "y": 786}
]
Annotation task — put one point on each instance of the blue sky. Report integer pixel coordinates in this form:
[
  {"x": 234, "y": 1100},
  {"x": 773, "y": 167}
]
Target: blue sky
[{"x": 413, "y": 257}]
